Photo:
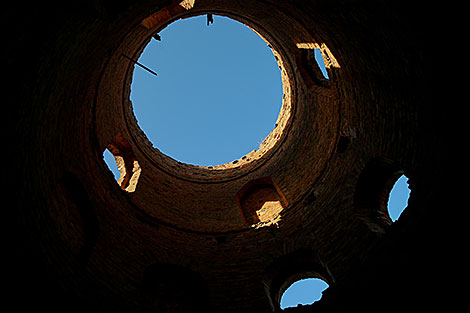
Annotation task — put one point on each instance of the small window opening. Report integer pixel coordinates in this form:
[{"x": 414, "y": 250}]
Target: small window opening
[
  {"x": 304, "y": 292},
  {"x": 122, "y": 162},
  {"x": 111, "y": 163},
  {"x": 261, "y": 202},
  {"x": 313, "y": 66},
  {"x": 398, "y": 198}
]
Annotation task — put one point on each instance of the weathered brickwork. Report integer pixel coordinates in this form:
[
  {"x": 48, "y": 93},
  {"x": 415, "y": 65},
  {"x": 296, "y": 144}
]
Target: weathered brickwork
[{"x": 172, "y": 237}]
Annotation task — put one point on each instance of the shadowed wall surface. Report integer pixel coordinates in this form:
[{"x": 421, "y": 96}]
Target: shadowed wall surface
[{"x": 175, "y": 237}]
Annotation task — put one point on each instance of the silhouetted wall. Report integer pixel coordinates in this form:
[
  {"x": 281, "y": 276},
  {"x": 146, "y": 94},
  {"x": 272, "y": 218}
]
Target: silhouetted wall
[{"x": 178, "y": 240}]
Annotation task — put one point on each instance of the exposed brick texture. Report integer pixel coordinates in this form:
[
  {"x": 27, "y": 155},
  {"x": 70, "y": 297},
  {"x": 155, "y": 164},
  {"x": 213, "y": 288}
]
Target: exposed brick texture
[{"x": 183, "y": 238}]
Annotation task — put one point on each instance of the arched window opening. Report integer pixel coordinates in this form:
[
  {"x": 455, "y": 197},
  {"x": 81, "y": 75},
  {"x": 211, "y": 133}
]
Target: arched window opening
[
  {"x": 382, "y": 193},
  {"x": 296, "y": 278},
  {"x": 261, "y": 202},
  {"x": 398, "y": 198},
  {"x": 304, "y": 292},
  {"x": 122, "y": 162}
]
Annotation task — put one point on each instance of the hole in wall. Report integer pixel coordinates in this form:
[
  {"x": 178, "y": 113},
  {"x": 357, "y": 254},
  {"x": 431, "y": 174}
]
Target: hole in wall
[
  {"x": 300, "y": 265},
  {"x": 122, "y": 162},
  {"x": 217, "y": 96},
  {"x": 315, "y": 63},
  {"x": 374, "y": 191},
  {"x": 398, "y": 198},
  {"x": 261, "y": 202},
  {"x": 304, "y": 291}
]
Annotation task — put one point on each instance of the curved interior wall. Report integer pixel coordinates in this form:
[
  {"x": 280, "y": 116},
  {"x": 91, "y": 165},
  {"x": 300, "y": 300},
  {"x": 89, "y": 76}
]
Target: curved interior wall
[{"x": 95, "y": 243}]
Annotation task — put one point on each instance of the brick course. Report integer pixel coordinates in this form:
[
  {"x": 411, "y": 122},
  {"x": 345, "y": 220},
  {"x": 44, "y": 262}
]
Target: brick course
[{"x": 85, "y": 244}]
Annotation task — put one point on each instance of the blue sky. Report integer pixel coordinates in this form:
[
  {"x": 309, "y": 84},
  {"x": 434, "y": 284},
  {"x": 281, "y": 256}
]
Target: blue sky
[
  {"x": 398, "y": 199},
  {"x": 305, "y": 291},
  {"x": 217, "y": 94},
  {"x": 216, "y": 97}
]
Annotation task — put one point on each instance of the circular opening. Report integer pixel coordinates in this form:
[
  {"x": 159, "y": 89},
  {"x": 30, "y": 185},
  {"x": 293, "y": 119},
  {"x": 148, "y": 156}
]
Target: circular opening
[
  {"x": 398, "y": 198},
  {"x": 304, "y": 291},
  {"x": 217, "y": 94}
]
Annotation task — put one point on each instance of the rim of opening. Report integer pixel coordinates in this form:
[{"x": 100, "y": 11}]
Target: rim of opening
[{"x": 235, "y": 168}]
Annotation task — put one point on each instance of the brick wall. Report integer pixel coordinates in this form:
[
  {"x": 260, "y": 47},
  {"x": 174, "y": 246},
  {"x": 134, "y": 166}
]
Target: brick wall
[{"x": 86, "y": 244}]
